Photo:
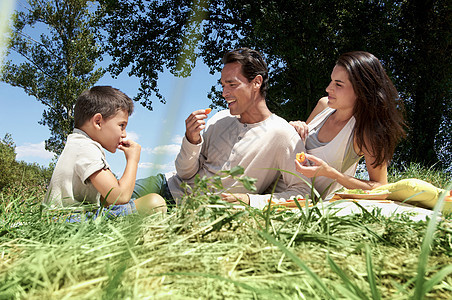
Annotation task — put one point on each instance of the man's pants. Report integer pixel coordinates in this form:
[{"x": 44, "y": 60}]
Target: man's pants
[{"x": 153, "y": 184}]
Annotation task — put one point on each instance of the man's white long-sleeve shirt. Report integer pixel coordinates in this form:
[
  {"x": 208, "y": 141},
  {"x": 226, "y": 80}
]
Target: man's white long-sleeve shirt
[{"x": 259, "y": 148}]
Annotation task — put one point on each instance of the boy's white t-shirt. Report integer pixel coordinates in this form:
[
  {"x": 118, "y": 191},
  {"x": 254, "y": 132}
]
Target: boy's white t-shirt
[{"x": 70, "y": 185}]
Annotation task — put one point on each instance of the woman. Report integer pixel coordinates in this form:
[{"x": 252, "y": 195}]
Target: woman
[{"x": 360, "y": 117}]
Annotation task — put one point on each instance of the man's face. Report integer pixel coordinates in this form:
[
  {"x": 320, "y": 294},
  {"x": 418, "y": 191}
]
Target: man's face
[{"x": 238, "y": 92}]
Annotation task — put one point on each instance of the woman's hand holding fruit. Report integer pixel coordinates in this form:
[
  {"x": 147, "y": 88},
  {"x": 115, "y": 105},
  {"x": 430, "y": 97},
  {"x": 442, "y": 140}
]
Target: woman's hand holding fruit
[{"x": 317, "y": 167}]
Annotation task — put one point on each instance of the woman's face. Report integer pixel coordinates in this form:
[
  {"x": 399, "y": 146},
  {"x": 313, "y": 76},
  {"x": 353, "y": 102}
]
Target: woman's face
[{"x": 340, "y": 90}]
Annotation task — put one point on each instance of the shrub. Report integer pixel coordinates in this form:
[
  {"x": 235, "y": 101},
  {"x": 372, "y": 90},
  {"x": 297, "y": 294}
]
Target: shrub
[{"x": 19, "y": 178}]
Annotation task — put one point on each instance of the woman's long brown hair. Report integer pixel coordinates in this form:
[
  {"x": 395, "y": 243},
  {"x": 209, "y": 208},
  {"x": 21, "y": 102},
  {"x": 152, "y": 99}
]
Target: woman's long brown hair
[{"x": 378, "y": 109}]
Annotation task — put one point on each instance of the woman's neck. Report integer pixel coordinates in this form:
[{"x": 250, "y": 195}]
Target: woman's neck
[{"x": 341, "y": 116}]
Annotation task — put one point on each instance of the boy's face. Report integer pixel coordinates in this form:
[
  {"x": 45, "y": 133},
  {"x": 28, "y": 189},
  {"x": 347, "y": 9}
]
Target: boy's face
[{"x": 113, "y": 130}]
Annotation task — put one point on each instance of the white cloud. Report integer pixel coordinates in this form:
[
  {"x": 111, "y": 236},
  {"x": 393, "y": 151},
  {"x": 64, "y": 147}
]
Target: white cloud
[
  {"x": 172, "y": 149},
  {"x": 161, "y": 154},
  {"x": 156, "y": 168},
  {"x": 133, "y": 136},
  {"x": 33, "y": 150},
  {"x": 177, "y": 139}
]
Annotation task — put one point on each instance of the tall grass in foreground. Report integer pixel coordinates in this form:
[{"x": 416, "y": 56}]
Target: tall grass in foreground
[{"x": 200, "y": 251}]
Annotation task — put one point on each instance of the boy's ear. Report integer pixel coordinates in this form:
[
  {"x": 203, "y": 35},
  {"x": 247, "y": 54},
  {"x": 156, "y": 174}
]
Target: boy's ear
[{"x": 97, "y": 120}]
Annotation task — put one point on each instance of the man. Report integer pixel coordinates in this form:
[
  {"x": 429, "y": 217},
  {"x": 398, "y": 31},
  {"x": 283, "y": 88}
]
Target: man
[{"x": 246, "y": 135}]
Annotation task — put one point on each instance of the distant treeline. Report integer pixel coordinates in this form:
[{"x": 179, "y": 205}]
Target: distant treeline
[{"x": 18, "y": 177}]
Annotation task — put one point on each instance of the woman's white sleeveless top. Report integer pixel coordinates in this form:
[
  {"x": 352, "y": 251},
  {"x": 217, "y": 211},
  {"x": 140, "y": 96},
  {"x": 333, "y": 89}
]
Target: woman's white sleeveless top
[{"x": 332, "y": 153}]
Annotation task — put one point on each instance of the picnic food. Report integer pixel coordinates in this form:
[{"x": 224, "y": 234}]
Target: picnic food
[
  {"x": 448, "y": 197},
  {"x": 300, "y": 157},
  {"x": 290, "y": 202},
  {"x": 207, "y": 111},
  {"x": 354, "y": 191},
  {"x": 362, "y": 194}
]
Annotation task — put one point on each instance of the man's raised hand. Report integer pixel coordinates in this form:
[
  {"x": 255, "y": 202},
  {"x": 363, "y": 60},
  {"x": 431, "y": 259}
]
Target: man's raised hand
[{"x": 194, "y": 124}]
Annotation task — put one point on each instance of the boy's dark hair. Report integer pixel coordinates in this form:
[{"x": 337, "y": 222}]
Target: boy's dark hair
[
  {"x": 105, "y": 100},
  {"x": 253, "y": 64}
]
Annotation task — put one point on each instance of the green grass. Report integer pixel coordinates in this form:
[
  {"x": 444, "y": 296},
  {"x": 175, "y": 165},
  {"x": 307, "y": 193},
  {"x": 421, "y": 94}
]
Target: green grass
[
  {"x": 414, "y": 170},
  {"x": 197, "y": 252}
]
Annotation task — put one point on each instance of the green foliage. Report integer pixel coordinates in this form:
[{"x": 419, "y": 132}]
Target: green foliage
[
  {"x": 164, "y": 34},
  {"x": 18, "y": 178},
  {"x": 301, "y": 41},
  {"x": 56, "y": 66},
  {"x": 422, "y": 285},
  {"x": 206, "y": 192},
  {"x": 415, "y": 170},
  {"x": 7, "y": 161},
  {"x": 422, "y": 65},
  {"x": 212, "y": 252}
]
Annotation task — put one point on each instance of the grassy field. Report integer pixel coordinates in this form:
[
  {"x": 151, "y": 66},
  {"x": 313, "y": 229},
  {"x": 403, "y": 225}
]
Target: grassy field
[{"x": 200, "y": 252}]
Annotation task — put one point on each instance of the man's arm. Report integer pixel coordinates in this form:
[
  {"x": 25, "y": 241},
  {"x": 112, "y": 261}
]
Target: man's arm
[
  {"x": 281, "y": 191},
  {"x": 260, "y": 201},
  {"x": 187, "y": 161},
  {"x": 290, "y": 183}
]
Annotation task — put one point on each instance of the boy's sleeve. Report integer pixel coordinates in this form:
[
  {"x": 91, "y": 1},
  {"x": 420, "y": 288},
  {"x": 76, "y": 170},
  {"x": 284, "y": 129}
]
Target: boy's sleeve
[{"x": 90, "y": 161}]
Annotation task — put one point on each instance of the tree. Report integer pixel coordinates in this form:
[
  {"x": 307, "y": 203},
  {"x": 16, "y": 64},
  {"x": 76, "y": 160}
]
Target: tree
[
  {"x": 423, "y": 63},
  {"x": 301, "y": 41},
  {"x": 19, "y": 178},
  {"x": 155, "y": 35},
  {"x": 7, "y": 161},
  {"x": 59, "y": 64}
]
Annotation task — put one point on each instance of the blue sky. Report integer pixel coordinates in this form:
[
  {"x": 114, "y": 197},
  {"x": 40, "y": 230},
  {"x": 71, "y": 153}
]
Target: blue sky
[{"x": 159, "y": 132}]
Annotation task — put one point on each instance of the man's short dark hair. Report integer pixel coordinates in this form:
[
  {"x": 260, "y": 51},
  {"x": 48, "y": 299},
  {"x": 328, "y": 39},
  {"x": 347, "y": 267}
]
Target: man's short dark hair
[
  {"x": 105, "y": 100},
  {"x": 253, "y": 64}
]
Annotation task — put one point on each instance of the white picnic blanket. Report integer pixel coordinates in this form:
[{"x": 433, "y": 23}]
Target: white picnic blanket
[{"x": 387, "y": 208}]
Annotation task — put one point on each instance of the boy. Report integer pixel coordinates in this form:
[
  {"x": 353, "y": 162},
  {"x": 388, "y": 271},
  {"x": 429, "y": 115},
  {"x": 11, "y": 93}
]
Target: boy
[{"x": 82, "y": 175}]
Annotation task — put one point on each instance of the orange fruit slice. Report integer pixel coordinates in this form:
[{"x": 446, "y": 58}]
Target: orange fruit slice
[
  {"x": 300, "y": 157},
  {"x": 207, "y": 111}
]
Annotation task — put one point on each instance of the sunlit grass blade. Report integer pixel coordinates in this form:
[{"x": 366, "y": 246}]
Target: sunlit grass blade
[
  {"x": 353, "y": 288},
  {"x": 348, "y": 294},
  {"x": 269, "y": 206},
  {"x": 224, "y": 221},
  {"x": 317, "y": 280},
  {"x": 114, "y": 281},
  {"x": 437, "y": 278},
  {"x": 371, "y": 275},
  {"x": 420, "y": 284},
  {"x": 242, "y": 285}
]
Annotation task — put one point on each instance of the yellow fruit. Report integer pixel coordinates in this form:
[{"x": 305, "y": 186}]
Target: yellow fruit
[{"x": 300, "y": 157}]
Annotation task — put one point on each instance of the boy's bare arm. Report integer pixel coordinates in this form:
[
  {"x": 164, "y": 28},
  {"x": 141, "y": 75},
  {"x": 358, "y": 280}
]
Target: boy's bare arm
[{"x": 122, "y": 189}]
